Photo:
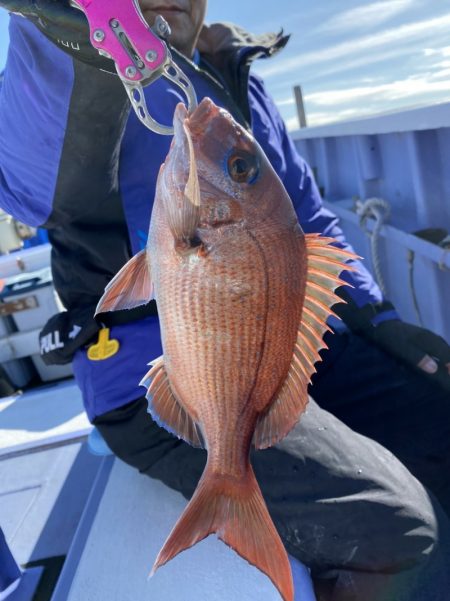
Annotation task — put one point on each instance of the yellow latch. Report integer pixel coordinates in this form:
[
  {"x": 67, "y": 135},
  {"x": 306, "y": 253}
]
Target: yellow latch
[{"x": 104, "y": 347}]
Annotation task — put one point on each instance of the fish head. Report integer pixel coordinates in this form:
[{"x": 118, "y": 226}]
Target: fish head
[{"x": 217, "y": 173}]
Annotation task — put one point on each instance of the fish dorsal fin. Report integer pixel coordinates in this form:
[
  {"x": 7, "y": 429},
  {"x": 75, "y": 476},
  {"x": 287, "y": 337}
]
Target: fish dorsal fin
[
  {"x": 325, "y": 263},
  {"x": 165, "y": 408},
  {"x": 130, "y": 287}
]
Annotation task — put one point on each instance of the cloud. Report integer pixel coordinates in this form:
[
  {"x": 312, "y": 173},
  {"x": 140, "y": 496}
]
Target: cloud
[
  {"x": 333, "y": 104},
  {"x": 285, "y": 101},
  {"x": 405, "y": 88},
  {"x": 316, "y": 118},
  {"x": 405, "y": 34},
  {"x": 444, "y": 74},
  {"x": 292, "y": 123},
  {"x": 437, "y": 51},
  {"x": 321, "y": 117},
  {"x": 371, "y": 15},
  {"x": 362, "y": 60},
  {"x": 441, "y": 70}
]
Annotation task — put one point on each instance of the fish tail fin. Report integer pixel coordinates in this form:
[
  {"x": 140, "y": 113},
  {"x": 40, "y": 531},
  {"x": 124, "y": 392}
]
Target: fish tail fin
[{"x": 237, "y": 512}]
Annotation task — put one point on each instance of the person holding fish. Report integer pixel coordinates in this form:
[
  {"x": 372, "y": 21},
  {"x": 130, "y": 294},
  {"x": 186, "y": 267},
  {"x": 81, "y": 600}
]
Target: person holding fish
[{"x": 243, "y": 283}]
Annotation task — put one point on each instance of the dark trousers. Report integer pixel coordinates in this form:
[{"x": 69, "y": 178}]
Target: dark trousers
[
  {"x": 344, "y": 505},
  {"x": 376, "y": 395}
]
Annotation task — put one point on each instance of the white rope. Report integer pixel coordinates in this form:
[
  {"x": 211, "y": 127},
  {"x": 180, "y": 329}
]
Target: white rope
[{"x": 379, "y": 210}]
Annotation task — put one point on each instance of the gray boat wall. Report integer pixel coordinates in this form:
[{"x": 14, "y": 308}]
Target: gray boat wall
[{"x": 402, "y": 158}]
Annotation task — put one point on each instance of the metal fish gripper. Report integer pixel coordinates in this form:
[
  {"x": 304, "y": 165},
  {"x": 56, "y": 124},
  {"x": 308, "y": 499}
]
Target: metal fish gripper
[{"x": 119, "y": 31}]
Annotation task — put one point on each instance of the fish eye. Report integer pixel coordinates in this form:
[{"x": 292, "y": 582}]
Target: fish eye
[{"x": 243, "y": 167}]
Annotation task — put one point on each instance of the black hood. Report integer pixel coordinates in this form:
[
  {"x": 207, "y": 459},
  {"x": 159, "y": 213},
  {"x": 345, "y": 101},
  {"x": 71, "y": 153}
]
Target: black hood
[{"x": 230, "y": 51}]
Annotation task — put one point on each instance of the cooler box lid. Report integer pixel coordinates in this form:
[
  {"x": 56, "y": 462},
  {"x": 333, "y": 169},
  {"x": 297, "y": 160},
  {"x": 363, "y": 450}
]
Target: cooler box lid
[{"x": 25, "y": 283}]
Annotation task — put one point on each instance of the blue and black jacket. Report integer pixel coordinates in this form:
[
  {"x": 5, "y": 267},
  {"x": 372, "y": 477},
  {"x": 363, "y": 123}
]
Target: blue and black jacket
[{"x": 76, "y": 161}]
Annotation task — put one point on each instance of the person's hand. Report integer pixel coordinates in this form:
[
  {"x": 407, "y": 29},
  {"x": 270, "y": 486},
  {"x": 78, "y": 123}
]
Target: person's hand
[
  {"x": 65, "y": 26},
  {"x": 418, "y": 347}
]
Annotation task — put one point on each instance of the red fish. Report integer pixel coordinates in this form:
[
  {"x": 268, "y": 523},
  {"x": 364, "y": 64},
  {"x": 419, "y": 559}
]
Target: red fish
[{"x": 243, "y": 296}]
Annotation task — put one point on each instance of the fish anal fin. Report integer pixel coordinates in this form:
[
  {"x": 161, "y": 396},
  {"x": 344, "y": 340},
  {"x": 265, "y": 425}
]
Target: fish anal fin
[
  {"x": 165, "y": 408},
  {"x": 130, "y": 287},
  {"x": 325, "y": 264}
]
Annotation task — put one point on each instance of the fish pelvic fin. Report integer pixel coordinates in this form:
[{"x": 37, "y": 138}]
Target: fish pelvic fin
[
  {"x": 131, "y": 286},
  {"x": 167, "y": 411},
  {"x": 237, "y": 512},
  {"x": 325, "y": 264}
]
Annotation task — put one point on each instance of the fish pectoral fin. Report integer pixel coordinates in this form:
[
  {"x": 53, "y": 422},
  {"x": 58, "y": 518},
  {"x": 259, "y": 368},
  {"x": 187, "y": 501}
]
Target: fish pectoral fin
[
  {"x": 131, "y": 286},
  {"x": 325, "y": 263},
  {"x": 282, "y": 415},
  {"x": 165, "y": 408}
]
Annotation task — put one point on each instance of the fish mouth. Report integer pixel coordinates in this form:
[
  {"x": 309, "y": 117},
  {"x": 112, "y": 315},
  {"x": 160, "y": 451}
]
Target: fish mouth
[
  {"x": 189, "y": 131},
  {"x": 189, "y": 127},
  {"x": 198, "y": 120}
]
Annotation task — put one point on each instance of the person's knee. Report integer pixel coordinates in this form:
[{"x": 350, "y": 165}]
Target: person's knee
[
  {"x": 388, "y": 529},
  {"x": 408, "y": 524},
  {"x": 134, "y": 437},
  {"x": 418, "y": 529}
]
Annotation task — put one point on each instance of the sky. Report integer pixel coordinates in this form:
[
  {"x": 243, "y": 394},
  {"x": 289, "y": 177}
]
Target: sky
[{"x": 352, "y": 58}]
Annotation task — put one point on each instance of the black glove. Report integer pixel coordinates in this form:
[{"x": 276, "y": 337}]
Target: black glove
[
  {"x": 65, "y": 26},
  {"x": 417, "y": 347},
  {"x": 72, "y": 330}
]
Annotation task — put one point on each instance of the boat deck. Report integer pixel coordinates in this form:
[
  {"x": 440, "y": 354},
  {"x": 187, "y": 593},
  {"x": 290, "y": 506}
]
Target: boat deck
[{"x": 46, "y": 475}]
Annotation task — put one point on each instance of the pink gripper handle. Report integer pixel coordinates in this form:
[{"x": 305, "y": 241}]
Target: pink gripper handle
[{"x": 103, "y": 14}]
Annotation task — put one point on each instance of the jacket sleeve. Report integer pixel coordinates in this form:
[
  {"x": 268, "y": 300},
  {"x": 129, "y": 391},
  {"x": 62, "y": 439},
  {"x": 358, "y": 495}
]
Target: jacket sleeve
[
  {"x": 61, "y": 127},
  {"x": 61, "y": 121},
  {"x": 299, "y": 182},
  {"x": 34, "y": 102}
]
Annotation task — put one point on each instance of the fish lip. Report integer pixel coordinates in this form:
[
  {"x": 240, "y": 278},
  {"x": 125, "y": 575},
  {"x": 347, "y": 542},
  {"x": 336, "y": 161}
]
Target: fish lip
[
  {"x": 189, "y": 128},
  {"x": 199, "y": 119}
]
